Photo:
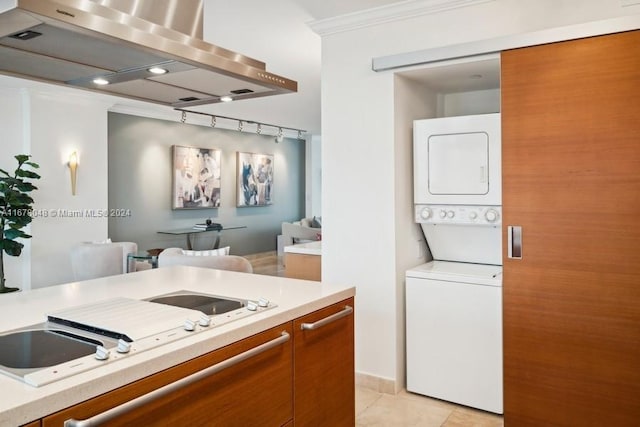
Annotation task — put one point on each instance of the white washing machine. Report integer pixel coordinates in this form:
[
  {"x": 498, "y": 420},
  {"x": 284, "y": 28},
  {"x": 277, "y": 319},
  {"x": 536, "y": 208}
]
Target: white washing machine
[{"x": 454, "y": 333}]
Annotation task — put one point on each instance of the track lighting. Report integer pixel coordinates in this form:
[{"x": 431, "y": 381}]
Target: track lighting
[{"x": 279, "y": 136}]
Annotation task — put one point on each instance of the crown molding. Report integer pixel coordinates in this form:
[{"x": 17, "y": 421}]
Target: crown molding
[{"x": 389, "y": 13}]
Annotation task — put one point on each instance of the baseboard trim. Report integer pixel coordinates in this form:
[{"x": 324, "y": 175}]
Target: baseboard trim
[{"x": 378, "y": 384}]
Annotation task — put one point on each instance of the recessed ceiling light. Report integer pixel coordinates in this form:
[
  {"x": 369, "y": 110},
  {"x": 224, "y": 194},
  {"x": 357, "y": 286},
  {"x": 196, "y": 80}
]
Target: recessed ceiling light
[
  {"x": 226, "y": 99},
  {"x": 157, "y": 70},
  {"x": 100, "y": 81}
]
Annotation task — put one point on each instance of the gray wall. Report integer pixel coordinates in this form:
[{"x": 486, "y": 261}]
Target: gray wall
[{"x": 140, "y": 174}]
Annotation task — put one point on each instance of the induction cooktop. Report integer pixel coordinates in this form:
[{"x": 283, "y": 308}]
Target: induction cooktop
[{"x": 88, "y": 336}]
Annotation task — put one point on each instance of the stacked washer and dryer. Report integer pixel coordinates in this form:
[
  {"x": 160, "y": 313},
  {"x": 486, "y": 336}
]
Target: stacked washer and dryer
[{"x": 454, "y": 303}]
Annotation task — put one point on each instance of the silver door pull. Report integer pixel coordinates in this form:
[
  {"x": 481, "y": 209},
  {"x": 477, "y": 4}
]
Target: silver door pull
[
  {"x": 514, "y": 242},
  {"x": 315, "y": 325},
  {"x": 122, "y": 409}
]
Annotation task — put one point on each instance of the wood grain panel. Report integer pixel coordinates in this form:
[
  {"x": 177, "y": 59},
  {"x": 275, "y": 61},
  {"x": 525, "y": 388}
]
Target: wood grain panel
[
  {"x": 303, "y": 266},
  {"x": 571, "y": 179},
  {"x": 255, "y": 392},
  {"x": 324, "y": 371}
]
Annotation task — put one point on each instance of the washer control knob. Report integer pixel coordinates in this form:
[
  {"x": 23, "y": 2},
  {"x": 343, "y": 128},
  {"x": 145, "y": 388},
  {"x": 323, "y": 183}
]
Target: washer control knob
[
  {"x": 491, "y": 215},
  {"x": 443, "y": 213},
  {"x": 123, "y": 346},
  {"x": 189, "y": 325},
  {"x": 252, "y": 306},
  {"x": 425, "y": 213},
  {"x": 263, "y": 302},
  {"x": 101, "y": 353},
  {"x": 473, "y": 215},
  {"x": 204, "y": 320},
  {"x": 451, "y": 214}
]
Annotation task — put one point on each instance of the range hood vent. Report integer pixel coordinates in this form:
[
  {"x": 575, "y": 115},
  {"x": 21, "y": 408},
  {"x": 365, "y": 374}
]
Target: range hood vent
[{"x": 128, "y": 48}]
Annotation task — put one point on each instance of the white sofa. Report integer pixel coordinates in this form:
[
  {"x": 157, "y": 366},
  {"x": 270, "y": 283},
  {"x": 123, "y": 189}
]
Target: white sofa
[{"x": 307, "y": 229}]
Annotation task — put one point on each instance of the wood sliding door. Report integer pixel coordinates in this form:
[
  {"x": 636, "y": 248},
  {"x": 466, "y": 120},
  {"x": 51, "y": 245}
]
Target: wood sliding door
[{"x": 571, "y": 179}]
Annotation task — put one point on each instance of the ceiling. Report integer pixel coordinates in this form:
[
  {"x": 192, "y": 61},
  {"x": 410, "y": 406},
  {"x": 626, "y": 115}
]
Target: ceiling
[{"x": 322, "y": 9}]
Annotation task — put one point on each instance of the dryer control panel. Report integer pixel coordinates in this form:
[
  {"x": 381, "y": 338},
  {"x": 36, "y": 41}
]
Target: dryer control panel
[{"x": 458, "y": 214}]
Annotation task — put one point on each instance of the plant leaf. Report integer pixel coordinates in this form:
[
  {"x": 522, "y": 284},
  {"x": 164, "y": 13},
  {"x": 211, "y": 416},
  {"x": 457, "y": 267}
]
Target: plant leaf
[
  {"x": 11, "y": 247},
  {"x": 32, "y": 164},
  {"x": 13, "y": 233},
  {"x": 21, "y": 158},
  {"x": 27, "y": 174}
]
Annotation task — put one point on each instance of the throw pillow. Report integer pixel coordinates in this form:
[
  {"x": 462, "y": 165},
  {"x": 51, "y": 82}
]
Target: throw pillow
[
  {"x": 316, "y": 222},
  {"x": 211, "y": 252}
]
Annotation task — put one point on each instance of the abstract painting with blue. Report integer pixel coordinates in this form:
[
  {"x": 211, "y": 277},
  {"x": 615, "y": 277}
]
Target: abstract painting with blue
[{"x": 255, "y": 179}]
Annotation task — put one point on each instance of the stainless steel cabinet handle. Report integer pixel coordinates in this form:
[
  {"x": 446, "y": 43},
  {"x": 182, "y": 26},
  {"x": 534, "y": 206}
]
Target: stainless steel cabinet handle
[
  {"x": 514, "y": 242},
  {"x": 320, "y": 323},
  {"x": 170, "y": 388}
]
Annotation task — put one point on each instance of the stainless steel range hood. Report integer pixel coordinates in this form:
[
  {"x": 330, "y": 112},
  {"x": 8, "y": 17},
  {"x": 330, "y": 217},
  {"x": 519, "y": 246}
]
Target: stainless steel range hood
[{"x": 75, "y": 42}]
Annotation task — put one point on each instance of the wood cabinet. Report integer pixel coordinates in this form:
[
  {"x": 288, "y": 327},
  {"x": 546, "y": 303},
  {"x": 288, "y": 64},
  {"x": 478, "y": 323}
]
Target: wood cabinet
[
  {"x": 256, "y": 391},
  {"x": 324, "y": 372},
  {"x": 571, "y": 179},
  {"x": 303, "y": 266}
]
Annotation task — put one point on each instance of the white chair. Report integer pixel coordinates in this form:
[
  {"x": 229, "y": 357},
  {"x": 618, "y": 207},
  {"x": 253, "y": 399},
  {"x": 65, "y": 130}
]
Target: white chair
[
  {"x": 208, "y": 259},
  {"x": 93, "y": 260},
  {"x": 90, "y": 260}
]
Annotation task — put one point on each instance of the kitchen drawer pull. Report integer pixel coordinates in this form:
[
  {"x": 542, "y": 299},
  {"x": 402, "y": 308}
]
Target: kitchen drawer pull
[
  {"x": 122, "y": 409},
  {"x": 320, "y": 323}
]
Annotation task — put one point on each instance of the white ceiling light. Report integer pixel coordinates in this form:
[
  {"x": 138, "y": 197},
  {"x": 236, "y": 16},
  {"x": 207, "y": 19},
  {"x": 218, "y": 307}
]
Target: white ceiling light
[
  {"x": 100, "y": 81},
  {"x": 226, "y": 99},
  {"x": 157, "y": 70}
]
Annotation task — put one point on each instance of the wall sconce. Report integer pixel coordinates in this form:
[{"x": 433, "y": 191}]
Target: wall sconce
[{"x": 73, "y": 168}]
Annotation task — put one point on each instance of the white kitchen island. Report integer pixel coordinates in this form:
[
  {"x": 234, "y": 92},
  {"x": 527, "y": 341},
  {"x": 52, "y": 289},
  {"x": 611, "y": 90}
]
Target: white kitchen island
[{"x": 292, "y": 299}]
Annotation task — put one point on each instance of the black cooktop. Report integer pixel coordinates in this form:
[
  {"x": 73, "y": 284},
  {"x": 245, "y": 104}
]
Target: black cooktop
[
  {"x": 40, "y": 348},
  {"x": 208, "y": 304}
]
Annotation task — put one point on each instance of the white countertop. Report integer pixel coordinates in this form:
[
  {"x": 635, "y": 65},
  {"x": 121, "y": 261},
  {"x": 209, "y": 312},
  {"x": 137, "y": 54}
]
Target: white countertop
[
  {"x": 22, "y": 403},
  {"x": 311, "y": 248}
]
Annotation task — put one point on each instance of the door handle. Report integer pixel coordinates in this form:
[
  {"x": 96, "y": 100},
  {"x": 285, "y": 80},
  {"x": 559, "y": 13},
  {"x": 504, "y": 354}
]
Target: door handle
[{"x": 514, "y": 242}]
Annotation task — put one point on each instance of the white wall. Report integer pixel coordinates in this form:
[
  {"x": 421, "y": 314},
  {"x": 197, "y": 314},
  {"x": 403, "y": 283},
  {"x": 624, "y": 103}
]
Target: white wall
[
  {"x": 364, "y": 156},
  {"x": 313, "y": 177},
  {"x": 14, "y": 141},
  {"x": 49, "y": 123}
]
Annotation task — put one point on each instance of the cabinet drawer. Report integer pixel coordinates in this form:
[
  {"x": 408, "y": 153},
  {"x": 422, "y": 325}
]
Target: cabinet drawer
[{"x": 255, "y": 391}]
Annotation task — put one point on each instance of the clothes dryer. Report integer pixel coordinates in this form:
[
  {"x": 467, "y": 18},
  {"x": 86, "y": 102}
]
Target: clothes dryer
[{"x": 457, "y": 160}]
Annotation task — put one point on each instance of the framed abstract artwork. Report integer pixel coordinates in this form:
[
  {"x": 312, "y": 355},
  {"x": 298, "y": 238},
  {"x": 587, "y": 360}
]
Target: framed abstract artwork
[
  {"x": 196, "y": 178},
  {"x": 254, "y": 179}
]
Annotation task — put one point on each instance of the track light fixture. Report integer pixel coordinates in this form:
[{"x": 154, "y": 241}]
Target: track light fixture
[{"x": 279, "y": 136}]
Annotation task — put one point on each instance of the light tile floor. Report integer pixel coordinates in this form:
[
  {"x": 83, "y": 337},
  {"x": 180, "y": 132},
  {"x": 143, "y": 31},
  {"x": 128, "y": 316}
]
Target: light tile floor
[{"x": 404, "y": 409}]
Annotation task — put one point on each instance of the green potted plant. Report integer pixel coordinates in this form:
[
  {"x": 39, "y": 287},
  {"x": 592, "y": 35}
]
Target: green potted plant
[{"x": 15, "y": 210}]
